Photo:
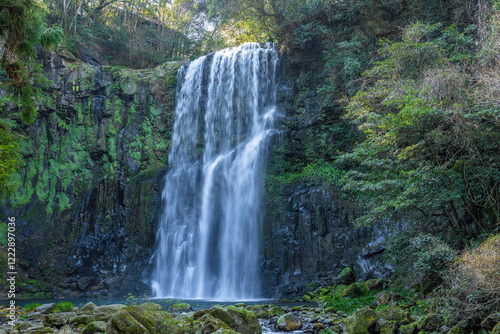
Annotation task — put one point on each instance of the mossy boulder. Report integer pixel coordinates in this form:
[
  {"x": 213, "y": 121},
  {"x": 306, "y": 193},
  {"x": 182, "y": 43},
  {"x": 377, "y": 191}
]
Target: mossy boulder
[
  {"x": 152, "y": 307},
  {"x": 82, "y": 319},
  {"x": 58, "y": 319},
  {"x": 106, "y": 312},
  {"x": 210, "y": 324},
  {"x": 237, "y": 318},
  {"x": 259, "y": 311},
  {"x": 374, "y": 284},
  {"x": 346, "y": 277},
  {"x": 23, "y": 325},
  {"x": 411, "y": 328},
  {"x": 387, "y": 327},
  {"x": 124, "y": 323},
  {"x": 395, "y": 313},
  {"x": 353, "y": 290},
  {"x": 181, "y": 307},
  {"x": 143, "y": 316},
  {"x": 276, "y": 311},
  {"x": 87, "y": 308},
  {"x": 362, "y": 321},
  {"x": 95, "y": 327},
  {"x": 289, "y": 322},
  {"x": 47, "y": 308},
  {"x": 387, "y": 297}
]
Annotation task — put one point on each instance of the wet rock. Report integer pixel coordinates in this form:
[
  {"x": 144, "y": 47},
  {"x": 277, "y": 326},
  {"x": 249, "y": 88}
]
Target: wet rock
[
  {"x": 46, "y": 308},
  {"x": 318, "y": 326},
  {"x": 210, "y": 324},
  {"x": 362, "y": 321},
  {"x": 95, "y": 327},
  {"x": 289, "y": 322},
  {"x": 237, "y": 318},
  {"x": 58, "y": 319}
]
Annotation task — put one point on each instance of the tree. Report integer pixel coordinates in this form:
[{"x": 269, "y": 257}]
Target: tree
[
  {"x": 430, "y": 150},
  {"x": 21, "y": 30}
]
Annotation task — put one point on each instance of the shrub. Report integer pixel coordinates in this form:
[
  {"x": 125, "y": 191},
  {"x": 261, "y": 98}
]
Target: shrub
[
  {"x": 65, "y": 306},
  {"x": 475, "y": 280}
]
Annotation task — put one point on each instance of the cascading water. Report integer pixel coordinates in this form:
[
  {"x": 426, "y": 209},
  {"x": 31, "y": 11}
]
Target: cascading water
[{"x": 208, "y": 241}]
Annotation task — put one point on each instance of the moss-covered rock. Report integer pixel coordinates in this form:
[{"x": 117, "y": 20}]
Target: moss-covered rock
[
  {"x": 87, "y": 308},
  {"x": 374, "y": 284},
  {"x": 395, "y": 313},
  {"x": 237, "y": 318},
  {"x": 210, "y": 324},
  {"x": 259, "y": 311},
  {"x": 289, "y": 322},
  {"x": 39, "y": 330},
  {"x": 387, "y": 297},
  {"x": 95, "y": 327},
  {"x": 411, "y": 328},
  {"x": 362, "y": 321},
  {"x": 152, "y": 307},
  {"x": 355, "y": 289},
  {"x": 181, "y": 307},
  {"x": 346, "y": 277},
  {"x": 58, "y": 319},
  {"x": 387, "y": 327},
  {"x": 82, "y": 319},
  {"x": 106, "y": 312},
  {"x": 143, "y": 316},
  {"x": 276, "y": 311},
  {"x": 124, "y": 323}
]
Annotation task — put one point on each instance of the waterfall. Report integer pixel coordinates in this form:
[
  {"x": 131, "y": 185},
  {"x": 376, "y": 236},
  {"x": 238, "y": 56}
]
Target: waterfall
[{"x": 208, "y": 239}]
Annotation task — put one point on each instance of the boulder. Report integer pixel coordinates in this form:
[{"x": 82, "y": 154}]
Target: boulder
[
  {"x": 181, "y": 307},
  {"x": 112, "y": 283},
  {"x": 411, "y": 328},
  {"x": 387, "y": 327},
  {"x": 395, "y": 313},
  {"x": 463, "y": 327},
  {"x": 346, "y": 277},
  {"x": 47, "y": 308},
  {"x": 106, "y": 312},
  {"x": 84, "y": 282},
  {"x": 210, "y": 324},
  {"x": 237, "y": 318},
  {"x": 124, "y": 323},
  {"x": 83, "y": 319},
  {"x": 87, "y": 308},
  {"x": 362, "y": 321},
  {"x": 387, "y": 297},
  {"x": 259, "y": 311},
  {"x": 143, "y": 316},
  {"x": 95, "y": 327},
  {"x": 58, "y": 319},
  {"x": 289, "y": 322},
  {"x": 39, "y": 330},
  {"x": 152, "y": 307}
]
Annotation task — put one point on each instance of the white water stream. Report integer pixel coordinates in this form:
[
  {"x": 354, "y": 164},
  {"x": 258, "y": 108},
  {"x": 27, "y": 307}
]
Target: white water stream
[{"x": 208, "y": 240}]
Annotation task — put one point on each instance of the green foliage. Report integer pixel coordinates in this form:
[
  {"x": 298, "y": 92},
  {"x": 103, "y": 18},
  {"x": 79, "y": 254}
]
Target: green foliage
[
  {"x": 65, "y": 306},
  {"x": 10, "y": 157},
  {"x": 349, "y": 305},
  {"x": 425, "y": 148},
  {"x": 421, "y": 261},
  {"x": 31, "y": 307}
]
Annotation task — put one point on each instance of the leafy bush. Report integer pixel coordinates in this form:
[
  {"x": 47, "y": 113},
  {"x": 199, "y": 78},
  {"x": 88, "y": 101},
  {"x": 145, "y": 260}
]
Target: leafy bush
[
  {"x": 475, "y": 280},
  {"x": 421, "y": 260},
  {"x": 65, "y": 306}
]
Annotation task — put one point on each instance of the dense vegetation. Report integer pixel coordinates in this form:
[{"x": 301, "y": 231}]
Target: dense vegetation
[{"x": 405, "y": 125}]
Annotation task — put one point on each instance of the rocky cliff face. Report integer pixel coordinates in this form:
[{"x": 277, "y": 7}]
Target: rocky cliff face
[
  {"x": 90, "y": 195},
  {"x": 87, "y": 207}
]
